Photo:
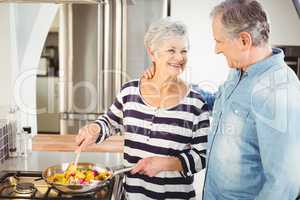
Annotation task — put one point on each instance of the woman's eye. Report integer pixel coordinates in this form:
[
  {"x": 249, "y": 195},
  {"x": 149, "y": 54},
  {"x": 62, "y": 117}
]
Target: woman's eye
[
  {"x": 171, "y": 51},
  {"x": 184, "y": 52}
]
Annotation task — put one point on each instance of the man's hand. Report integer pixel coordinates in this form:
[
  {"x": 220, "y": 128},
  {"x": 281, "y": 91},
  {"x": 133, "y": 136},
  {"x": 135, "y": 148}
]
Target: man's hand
[
  {"x": 149, "y": 72},
  {"x": 87, "y": 135}
]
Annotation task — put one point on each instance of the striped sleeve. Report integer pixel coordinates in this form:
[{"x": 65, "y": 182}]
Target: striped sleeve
[
  {"x": 112, "y": 120},
  {"x": 194, "y": 159}
]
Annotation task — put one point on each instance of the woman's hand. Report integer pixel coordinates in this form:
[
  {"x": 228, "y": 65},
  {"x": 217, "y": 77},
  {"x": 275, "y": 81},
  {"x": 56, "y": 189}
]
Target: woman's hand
[
  {"x": 149, "y": 72},
  {"x": 151, "y": 166},
  {"x": 87, "y": 135}
]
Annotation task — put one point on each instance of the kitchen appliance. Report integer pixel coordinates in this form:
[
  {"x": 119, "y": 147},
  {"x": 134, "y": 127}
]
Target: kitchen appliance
[
  {"x": 101, "y": 47},
  {"x": 292, "y": 57},
  {"x": 30, "y": 185},
  {"x": 297, "y": 6},
  {"x": 81, "y": 188}
]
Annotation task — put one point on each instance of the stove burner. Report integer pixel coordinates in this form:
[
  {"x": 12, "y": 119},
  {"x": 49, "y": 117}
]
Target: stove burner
[
  {"x": 31, "y": 185},
  {"x": 25, "y": 188}
]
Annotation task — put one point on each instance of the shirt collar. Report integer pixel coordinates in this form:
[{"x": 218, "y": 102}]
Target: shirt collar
[{"x": 263, "y": 65}]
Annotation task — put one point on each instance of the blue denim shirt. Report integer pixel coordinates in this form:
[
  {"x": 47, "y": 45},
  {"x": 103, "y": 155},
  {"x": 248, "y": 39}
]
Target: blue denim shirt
[
  {"x": 254, "y": 148},
  {"x": 208, "y": 97}
]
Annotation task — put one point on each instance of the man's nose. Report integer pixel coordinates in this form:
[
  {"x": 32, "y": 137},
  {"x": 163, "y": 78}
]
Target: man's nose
[{"x": 217, "y": 50}]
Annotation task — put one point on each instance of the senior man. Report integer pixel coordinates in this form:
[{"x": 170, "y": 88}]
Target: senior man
[{"x": 254, "y": 138}]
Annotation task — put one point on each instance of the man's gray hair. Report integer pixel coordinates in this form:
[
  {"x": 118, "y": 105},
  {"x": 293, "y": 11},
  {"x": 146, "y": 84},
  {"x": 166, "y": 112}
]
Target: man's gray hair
[
  {"x": 244, "y": 16},
  {"x": 164, "y": 29}
]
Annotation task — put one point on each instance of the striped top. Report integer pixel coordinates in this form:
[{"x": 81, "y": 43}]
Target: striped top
[{"x": 179, "y": 131}]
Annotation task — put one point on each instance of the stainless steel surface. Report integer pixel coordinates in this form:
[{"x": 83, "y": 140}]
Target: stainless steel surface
[
  {"x": 80, "y": 188},
  {"x": 297, "y": 6},
  {"x": 105, "y": 51},
  {"x": 37, "y": 161},
  {"x": 121, "y": 171},
  {"x": 124, "y": 39},
  {"x": 51, "y": 1},
  {"x": 117, "y": 64},
  {"x": 30, "y": 185},
  {"x": 100, "y": 60},
  {"x": 107, "y": 64},
  {"x": 85, "y": 55}
]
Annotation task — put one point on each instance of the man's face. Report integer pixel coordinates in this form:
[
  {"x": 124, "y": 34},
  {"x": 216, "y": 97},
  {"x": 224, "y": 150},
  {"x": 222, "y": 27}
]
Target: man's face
[{"x": 230, "y": 48}]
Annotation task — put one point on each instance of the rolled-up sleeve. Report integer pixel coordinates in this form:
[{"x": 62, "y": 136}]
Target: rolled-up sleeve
[
  {"x": 194, "y": 159},
  {"x": 112, "y": 120}
]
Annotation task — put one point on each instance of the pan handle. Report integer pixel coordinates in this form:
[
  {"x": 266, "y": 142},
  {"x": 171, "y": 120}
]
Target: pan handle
[{"x": 122, "y": 170}]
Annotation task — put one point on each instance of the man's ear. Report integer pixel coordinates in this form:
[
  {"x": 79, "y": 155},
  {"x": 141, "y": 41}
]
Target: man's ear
[{"x": 245, "y": 40}]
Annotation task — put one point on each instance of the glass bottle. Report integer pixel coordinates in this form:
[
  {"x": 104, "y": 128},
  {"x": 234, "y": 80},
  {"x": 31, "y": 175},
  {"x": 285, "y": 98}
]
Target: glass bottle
[
  {"x": 12, "y": 133},
  {"x": 28, "y": 137}
]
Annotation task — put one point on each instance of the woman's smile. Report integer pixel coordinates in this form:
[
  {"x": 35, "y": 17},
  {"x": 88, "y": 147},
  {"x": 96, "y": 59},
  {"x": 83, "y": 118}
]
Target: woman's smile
[{"x": 176, "y": 65}]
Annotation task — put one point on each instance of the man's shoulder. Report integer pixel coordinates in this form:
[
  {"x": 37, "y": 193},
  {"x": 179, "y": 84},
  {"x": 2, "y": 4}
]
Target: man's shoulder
[
  {"x": 271, "y": 96},
  {"x": 275, "y": 78}
]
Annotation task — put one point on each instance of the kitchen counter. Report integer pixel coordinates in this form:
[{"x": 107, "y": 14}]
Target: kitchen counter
[
  {"x": 37, "y": 161},
  {"x": 66, "y": 143}
]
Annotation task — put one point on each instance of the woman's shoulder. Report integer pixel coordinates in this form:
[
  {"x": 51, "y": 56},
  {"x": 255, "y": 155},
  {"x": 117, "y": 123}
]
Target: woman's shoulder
[
  {"x": 134, "y": 83},
  {"x": 195, "y": 94},
  {"x": 196, "y": 99}
]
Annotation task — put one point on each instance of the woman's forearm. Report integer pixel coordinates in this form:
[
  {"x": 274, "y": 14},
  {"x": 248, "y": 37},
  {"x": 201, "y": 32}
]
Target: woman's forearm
[{"x": 171, "y": 164}]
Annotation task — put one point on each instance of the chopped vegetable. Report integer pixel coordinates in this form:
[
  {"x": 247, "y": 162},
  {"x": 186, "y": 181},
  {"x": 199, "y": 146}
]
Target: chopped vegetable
[{"x": 79, "y": 175}]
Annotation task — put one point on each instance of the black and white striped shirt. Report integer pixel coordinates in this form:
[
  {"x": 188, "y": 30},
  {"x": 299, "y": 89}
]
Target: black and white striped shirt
[{"x": 179, "y": 131}]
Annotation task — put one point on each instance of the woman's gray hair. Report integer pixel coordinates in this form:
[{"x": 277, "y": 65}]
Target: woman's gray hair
[
  {"x": 244, "y": 16},
  {"x": 164, "y": 29}
]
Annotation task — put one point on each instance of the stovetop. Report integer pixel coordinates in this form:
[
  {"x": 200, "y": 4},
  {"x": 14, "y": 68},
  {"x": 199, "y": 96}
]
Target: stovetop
[{"x": 30, "y": 185}]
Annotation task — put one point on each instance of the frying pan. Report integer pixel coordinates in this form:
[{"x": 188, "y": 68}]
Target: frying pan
[{"x": 80, "y": 188}]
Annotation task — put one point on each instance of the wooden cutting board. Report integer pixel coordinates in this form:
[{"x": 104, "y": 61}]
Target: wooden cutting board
[{"x": 65, "y": 143}]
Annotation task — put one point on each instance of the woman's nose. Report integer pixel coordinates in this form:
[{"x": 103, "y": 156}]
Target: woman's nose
[{"x": 179, "y": 57}]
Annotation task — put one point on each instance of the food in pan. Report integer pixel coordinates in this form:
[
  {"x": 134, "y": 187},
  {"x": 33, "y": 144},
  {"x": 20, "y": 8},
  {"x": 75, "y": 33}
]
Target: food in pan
[{"x": 79, "y": 175}]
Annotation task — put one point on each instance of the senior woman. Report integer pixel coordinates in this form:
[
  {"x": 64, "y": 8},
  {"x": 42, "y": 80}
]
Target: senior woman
[{"x": 164, "y": 121}]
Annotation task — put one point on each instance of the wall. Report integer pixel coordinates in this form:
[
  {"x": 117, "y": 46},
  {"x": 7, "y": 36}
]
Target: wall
[
  {"x": 284, "y": 20},
  {"x": 21, "y": 40},
  {"x": 208, "y": 69},
  {"x": 204, "y": 67},
  {"x": 5, "y": 61}
]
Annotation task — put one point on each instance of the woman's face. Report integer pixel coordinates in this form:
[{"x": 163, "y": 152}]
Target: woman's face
[{"x": 171, "y": 56}]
